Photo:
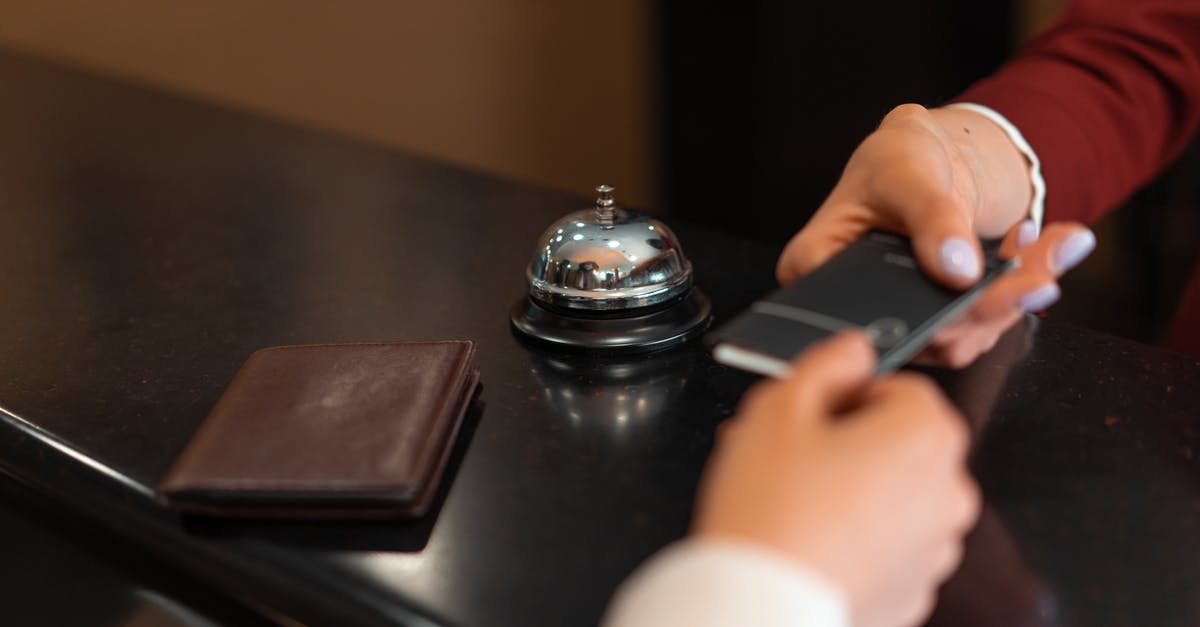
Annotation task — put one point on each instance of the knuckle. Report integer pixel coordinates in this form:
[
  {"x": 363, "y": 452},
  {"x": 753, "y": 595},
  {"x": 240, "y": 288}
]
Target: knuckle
[
  {"x": 956, "y": 439},
  {"x": 950, "y": 561},
  {"x": 936, "y": 423},
  {"x": 989, "y": 338},
  {"x": 944, "y": 431},
  {"x": 905, "y": 111},
  {"x": 939, "y": 434},
  {"x": 961, "y": 355},
  {"x": 795, "y": 389},
  {"x": 920, "y": 388},
  {"x": 972, "y": 502},
  {"x": 920, "y": 607}
]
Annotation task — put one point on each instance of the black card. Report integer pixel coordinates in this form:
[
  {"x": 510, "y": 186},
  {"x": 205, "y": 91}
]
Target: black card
[{"x": 873, "y": 284}]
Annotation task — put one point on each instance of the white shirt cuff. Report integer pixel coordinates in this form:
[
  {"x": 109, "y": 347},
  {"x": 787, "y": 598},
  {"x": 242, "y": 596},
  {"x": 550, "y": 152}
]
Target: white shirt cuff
[
  {"x": 1038, "y": 203},
  {"x": 718, "y": 583}
]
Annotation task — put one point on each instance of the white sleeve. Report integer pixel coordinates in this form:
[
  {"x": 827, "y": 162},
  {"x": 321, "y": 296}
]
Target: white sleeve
[
  {"x": 710, "y": 583},
  {"x": 1038, "y": 202}
]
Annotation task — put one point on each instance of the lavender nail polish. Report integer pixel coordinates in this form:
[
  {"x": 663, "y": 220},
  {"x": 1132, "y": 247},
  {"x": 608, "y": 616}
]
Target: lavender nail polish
[
  {"x": 1027, "y": 234},
  {"x": 1040, "y": 298},
  {"x": 958, "y": 258},
  {"x": 1074, "y": 250}
]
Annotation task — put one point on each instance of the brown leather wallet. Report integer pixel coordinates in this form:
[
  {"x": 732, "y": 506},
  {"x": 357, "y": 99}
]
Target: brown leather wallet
[{"x": 328, "y": 431}]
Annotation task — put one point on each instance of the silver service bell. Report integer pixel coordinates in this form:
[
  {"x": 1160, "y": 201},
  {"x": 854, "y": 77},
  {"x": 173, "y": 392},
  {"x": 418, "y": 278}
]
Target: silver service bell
[{"x": 611, "y": 279}]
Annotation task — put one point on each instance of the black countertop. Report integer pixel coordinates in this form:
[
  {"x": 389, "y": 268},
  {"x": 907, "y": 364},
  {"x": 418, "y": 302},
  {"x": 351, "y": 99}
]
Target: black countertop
[
  {"x": 53, "y": 576},
  {"x": 151, "y": 243}
]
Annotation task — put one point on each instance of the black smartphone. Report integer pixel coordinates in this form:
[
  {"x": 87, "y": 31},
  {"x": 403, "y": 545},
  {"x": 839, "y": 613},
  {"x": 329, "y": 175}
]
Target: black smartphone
[{"x": 873, "y": 284}]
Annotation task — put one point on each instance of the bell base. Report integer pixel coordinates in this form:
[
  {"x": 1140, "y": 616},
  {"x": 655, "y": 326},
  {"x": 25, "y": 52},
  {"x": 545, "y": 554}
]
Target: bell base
[{"x": 655, "y": 330}]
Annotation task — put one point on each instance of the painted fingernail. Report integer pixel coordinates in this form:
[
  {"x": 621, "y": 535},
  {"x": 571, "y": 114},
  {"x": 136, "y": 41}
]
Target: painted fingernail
[
  {"x": 1040, "y": 298},
  {"x": 1027, "y": 234},
  {"x": 1074, "y": 250},
  {"x": 958, "y": 258}
]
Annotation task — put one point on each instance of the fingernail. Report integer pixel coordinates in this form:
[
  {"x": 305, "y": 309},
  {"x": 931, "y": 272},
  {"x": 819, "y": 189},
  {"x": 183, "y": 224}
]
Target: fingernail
[
  {"x": 1027, "y": 234},
  {"x": 1040, "y": 298},
  {"x": 958, "y": 258},
  {"x": 1074, "y": 250}
]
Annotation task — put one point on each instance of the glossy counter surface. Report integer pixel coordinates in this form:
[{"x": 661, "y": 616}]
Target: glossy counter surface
[{"x": 152, "y": 243}]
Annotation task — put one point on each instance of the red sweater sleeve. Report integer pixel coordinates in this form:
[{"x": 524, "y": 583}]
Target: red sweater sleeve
[{"x": 1107, "y": 95}]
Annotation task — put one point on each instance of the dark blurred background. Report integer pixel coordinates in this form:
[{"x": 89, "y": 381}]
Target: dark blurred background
[
  {"x": 765, "y": 102},
  {"x": 738, "y": 115}
]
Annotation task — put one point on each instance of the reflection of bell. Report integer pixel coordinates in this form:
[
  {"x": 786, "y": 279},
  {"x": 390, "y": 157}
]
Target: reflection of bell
[
  {"x": 613, "y": 398},
  {"x": 610, "y": 279}
]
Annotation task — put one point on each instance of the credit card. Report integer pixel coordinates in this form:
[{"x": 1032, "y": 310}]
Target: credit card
[{"x": 874, "y": 284}]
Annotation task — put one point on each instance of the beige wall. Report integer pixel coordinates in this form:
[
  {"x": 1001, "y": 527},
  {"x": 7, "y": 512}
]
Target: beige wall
[{"x": 558, "y": 93}]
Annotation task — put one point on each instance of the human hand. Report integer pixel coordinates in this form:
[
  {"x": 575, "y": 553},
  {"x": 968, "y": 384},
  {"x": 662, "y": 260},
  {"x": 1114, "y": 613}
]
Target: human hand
[
  {"x": 943, "y": 177},
  {"x": 862, "y": 480}
]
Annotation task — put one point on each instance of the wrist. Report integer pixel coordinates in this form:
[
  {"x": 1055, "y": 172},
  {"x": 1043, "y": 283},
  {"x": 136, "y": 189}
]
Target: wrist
[
  {"x": 711, "y": 583},
  {"x": 1000, "y": 170},
  {"x": 812, "y": 547}
]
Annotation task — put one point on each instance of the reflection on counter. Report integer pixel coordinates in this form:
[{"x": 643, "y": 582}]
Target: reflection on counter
[
  {"x": 612, "y": 397},
  {"x": 992, "y": 561},
  {"x": 976, "y": 389}
]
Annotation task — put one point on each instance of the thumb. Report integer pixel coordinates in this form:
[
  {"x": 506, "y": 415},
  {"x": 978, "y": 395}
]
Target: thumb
[
  {"x": 826, "y": 377},
  {"x": 944, "y": 243},
  {"x": 833, "y": 227}
]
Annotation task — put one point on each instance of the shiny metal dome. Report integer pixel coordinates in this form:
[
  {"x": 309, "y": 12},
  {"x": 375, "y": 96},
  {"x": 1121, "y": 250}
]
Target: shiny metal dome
[{"x": 608, "y": 259}]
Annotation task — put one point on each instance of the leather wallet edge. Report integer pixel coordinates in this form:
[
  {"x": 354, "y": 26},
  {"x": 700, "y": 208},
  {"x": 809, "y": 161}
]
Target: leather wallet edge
[{"x": 383, "y": 504}]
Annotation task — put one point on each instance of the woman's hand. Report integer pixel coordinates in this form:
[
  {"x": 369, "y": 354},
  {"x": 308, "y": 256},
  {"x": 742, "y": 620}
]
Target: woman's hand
[
  {"x": 862, "y": 480},
  {"x": 944, "y": 177}
]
